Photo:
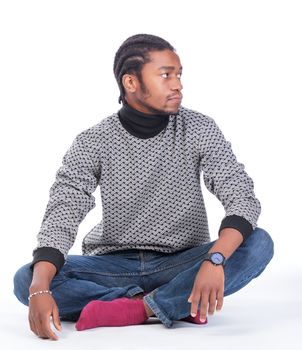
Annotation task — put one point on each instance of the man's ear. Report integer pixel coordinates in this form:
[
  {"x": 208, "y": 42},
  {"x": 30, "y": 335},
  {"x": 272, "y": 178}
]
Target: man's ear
[{"x": 129, "y": 83}]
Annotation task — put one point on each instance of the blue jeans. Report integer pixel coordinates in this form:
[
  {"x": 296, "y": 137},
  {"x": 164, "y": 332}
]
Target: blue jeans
[{"x": 168, "y": 278}]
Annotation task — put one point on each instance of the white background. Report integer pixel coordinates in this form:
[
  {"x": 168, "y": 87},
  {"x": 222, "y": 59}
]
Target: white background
[{"x": 242, "y": 66}]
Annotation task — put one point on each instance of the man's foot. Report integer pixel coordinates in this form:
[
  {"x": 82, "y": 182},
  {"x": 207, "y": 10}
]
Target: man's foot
[
  {"x": 141, "y": 296},
  {"x": 118, "y": 312}
]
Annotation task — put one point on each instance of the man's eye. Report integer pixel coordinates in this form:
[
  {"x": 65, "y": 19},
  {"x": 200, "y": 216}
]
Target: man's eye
[
  {"x": 165, "y": 75},
  {"x": 179, "y": 75}
]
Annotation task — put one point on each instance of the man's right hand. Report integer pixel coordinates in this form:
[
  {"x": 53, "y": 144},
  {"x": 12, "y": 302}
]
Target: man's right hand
[{"x": 41, "y": 308}]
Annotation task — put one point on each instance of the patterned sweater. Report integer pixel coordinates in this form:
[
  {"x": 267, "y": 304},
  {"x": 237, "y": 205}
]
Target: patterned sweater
[{"x": 150, "y": 188}]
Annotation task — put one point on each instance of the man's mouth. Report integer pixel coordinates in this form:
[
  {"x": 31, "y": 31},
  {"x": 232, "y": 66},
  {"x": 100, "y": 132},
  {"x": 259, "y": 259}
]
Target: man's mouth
[{"x": 175, "y": 97}]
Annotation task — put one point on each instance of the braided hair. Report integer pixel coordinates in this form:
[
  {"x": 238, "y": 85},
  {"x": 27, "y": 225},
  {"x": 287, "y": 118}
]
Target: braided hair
[{"x": 133, "y": 54}]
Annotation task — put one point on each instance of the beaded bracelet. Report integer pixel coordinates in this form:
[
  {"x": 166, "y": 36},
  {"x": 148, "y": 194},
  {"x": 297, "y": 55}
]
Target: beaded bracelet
[{"x": 39, "y": 292}]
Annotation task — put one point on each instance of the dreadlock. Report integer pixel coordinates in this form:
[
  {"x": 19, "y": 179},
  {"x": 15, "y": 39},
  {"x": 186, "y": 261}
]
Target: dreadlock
[{"x": 133, "y": 54}]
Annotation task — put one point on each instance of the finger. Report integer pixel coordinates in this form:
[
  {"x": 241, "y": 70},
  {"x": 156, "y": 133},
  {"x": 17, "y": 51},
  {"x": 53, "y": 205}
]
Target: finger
[
  {"x": 46, "y": 330},
  {"x": 193, "y": 291},
  {"x": 212, "y": 305},
  {"x": 38, "y": 326},
  {"x": 204, "y": 305},
  {"x": 219, "y": 300},
  {"x": 194, "y": 303},
  {"x": 56, "y": 318},
  {"x": 32, "y": 325}
]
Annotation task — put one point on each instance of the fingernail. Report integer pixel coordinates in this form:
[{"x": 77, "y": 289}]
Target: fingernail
[
  {"x": 203, "y": 320},
  {"x": 192, "y": 314}
]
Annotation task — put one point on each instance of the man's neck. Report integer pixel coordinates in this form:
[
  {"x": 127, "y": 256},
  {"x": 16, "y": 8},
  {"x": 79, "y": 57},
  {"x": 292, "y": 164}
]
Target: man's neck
[{"x": 141, "y": 124}]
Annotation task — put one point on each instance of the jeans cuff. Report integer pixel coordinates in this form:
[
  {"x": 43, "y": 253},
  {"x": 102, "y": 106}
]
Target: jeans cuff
[
  {"x": 133, "y": 291},
  {"x": 157, "y": 311}
]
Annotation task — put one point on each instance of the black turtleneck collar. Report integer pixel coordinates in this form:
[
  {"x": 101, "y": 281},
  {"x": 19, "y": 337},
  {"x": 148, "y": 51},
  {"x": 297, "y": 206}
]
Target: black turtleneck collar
[{"x": 140, "y": 124}]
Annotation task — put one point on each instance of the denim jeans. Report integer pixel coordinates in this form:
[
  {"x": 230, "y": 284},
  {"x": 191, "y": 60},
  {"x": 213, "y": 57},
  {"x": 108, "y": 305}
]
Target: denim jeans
[{"x": 166, "y": 278}]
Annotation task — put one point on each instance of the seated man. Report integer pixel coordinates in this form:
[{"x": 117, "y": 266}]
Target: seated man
[{"x": 151, "y": 254}]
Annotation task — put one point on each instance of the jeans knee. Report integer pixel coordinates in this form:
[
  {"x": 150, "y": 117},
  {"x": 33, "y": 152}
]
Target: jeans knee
[
  {"x": 265, "y": 243},
  {"x": 22, "y": 281}
]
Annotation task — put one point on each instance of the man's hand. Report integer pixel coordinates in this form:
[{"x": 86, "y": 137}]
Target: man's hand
[
  {"x": 41, "y": 308},
  {"x": 208, "y": 288}
]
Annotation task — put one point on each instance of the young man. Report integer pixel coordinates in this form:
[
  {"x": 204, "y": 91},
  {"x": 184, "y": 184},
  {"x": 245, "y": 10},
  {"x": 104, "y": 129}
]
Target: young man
[{"x": 151, "y": 254}]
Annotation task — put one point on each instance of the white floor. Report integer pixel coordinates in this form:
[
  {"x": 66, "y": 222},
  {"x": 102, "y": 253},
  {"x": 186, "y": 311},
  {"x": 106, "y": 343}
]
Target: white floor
[{"x": 266, "y": 314}]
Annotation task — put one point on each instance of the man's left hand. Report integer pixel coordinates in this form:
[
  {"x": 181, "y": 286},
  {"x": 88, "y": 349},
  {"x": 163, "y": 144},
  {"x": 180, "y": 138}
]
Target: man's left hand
[{"x": 208, "y": 288}]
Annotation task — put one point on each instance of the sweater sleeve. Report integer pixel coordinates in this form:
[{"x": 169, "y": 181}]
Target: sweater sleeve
[
  {"x": 70, "y": 199},
  {"x": 227, "y": 179}
]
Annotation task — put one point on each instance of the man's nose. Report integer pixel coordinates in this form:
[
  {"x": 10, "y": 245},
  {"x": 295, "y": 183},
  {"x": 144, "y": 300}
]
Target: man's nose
[{"x": 176, "y": 85}]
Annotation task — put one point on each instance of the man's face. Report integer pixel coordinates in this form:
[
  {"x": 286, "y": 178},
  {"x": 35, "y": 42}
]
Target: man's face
[{"x": 160, "y": 89}]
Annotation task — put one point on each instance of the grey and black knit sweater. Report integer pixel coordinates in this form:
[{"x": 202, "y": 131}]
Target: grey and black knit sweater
[{"x": 150, "y": 188}]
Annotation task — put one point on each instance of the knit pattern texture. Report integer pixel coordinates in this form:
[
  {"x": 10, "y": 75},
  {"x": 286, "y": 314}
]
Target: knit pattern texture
[{"x": 150, "y": 188}]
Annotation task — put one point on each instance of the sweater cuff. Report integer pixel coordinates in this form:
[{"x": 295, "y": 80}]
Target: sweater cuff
[
  {"x": 239, "y": 223},
  {"x": 49, "y": 254}
]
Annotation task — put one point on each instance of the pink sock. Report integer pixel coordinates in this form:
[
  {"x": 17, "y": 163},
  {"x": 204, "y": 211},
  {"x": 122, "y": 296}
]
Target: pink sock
[
  {"x": 195, "y": 319},
  {"x": 118, "y": 312}
]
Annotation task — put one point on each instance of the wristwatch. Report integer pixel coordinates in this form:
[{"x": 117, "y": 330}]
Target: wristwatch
[{"x": 216, "y": 258}]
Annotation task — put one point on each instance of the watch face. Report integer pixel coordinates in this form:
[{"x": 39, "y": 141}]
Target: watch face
[{"x": 217, "y": 258}]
